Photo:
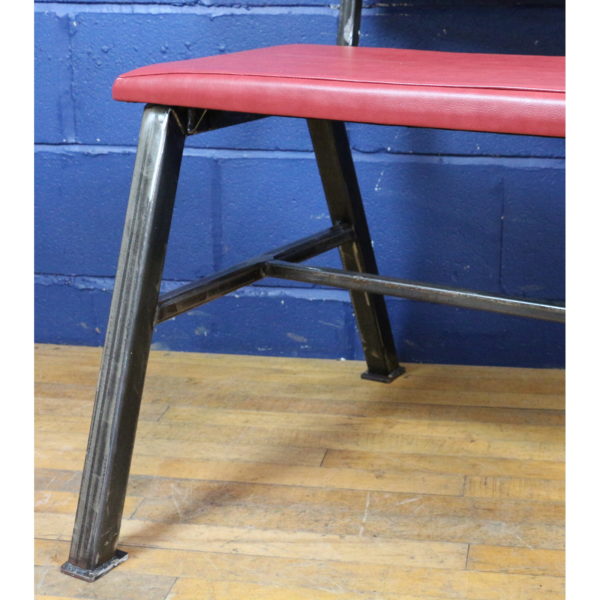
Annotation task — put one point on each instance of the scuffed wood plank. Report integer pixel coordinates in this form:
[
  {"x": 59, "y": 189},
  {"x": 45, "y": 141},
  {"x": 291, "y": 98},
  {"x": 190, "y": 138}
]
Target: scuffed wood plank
[
  {"x": 57, "y": 404},
  {"x": 66, "y": 503},
  {"x": 540, "y": 490},
  {"x": 340, "y": 440},
  {"x": 413, "y": 481},
  {"x": 276, "y": 543},
  {"x": 467, "y": 530},
  {"x": 246, "y": 398},
  {"x": 196, "y": 589},
  {"x": 482, "y": 466},
  {"x": 285, "y": 508},
  {"x": 390, "y": 424},
  {"x": 121, "y": 584},
  {"x": 492, "y": 509},
  {"x": 181, "y": 390},
  {"x": 489, "y": 521},
  {"x": 519, "y": 387},
  {"x": 57, "y": 480},
  {"x": 44, "y": 597},
  {"x": 524, "y": 561},
  {"x": 194, "y": 449},
  {"x": 397, "y": 582}
]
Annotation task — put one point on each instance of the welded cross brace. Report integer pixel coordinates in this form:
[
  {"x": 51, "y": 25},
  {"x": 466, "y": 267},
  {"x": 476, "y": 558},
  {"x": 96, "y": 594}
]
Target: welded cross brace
[
  {"x": 280, "y": 264},
  {"x": 208, "y": 288},
  {"x": 360, "y": 275}
]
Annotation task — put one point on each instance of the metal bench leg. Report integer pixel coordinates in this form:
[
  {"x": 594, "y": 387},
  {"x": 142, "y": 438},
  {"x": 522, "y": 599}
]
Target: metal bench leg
[
  {"x": 129, "y": 333},
  {"x": 336, "y": 167}
]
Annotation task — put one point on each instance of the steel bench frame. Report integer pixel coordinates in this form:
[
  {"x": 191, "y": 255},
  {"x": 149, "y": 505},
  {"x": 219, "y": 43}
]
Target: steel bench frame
[{"x": 137, "y": 306}]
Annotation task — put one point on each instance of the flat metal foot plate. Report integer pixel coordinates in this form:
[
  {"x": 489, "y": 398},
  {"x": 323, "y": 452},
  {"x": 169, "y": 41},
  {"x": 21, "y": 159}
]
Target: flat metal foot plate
[
  {"x": 384, "y": 378},
  {"x": 93, "y": 574}
]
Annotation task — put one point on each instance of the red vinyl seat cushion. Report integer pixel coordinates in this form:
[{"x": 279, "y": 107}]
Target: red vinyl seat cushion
[{"x": 479, "y": 92}]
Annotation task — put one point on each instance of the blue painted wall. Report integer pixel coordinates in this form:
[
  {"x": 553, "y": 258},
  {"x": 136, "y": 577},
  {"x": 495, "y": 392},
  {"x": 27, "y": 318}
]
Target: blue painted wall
[{"x": 473, "y": 210}]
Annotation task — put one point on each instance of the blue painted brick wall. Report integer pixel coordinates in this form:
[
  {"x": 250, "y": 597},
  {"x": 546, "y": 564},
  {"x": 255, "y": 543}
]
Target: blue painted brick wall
[{"x": 473, "y": 210}]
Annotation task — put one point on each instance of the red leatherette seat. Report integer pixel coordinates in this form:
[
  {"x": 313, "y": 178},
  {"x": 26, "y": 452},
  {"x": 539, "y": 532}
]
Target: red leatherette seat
[{"x": 480, "y": 92}]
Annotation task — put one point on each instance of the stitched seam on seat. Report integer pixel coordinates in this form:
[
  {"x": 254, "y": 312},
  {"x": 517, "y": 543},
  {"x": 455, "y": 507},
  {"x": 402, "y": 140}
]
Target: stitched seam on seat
[{"x": 308, "y": 78}]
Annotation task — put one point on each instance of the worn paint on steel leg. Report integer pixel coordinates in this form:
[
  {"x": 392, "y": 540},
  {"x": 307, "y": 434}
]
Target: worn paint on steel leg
[
  {"x": 128, "y": 337},
  {"x": 336, "y": 167}
]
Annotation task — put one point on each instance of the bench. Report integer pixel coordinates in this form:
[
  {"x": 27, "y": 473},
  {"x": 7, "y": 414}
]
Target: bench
[{"x": 326, "y": 85}]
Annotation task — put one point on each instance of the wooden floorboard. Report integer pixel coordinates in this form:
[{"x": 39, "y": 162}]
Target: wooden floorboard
[{"x": 293, "y": 479}]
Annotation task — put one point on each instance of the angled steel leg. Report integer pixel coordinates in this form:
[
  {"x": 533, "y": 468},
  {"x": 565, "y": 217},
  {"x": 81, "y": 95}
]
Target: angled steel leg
[
  {"x": 130, "y": 325},
  {"x": 336, "y": 167}
]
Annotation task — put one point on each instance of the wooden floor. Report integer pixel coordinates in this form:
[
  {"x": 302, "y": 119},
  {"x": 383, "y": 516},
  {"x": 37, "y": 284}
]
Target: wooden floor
[{"x": 286, "y": 479}]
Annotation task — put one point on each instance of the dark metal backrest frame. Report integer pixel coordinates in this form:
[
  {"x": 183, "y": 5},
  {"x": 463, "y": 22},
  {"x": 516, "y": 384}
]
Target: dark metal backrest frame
[
  {"x": 349, "y": 23},
  {"x": 136, "y": 306}
]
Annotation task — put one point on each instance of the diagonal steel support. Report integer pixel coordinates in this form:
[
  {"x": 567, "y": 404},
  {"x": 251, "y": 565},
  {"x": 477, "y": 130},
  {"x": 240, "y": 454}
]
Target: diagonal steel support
[
  {"x": 214, "y": 286},
  {"x": 413, "y": 290}
]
